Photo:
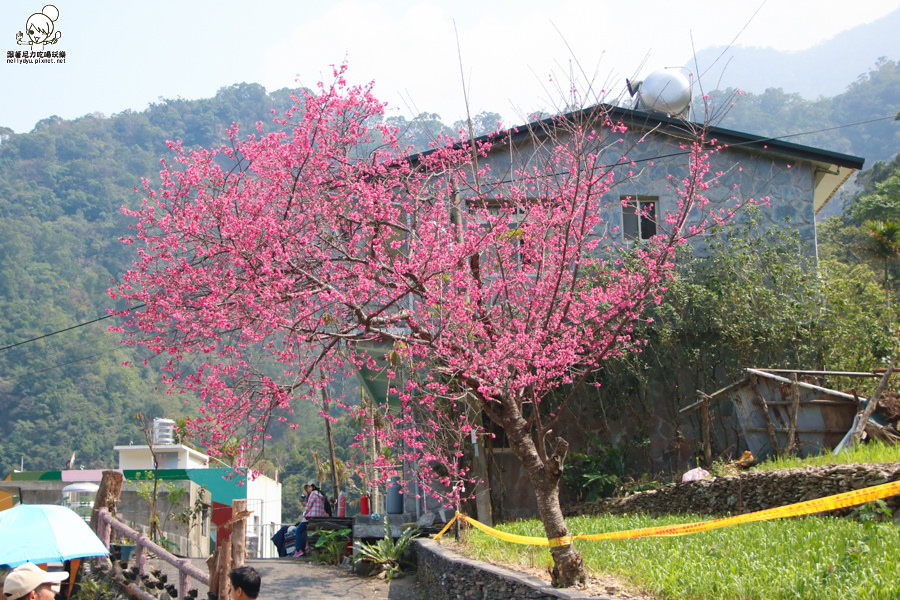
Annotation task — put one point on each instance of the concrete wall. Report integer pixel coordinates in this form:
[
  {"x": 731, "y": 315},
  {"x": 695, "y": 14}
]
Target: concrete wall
[
  {"x": 660, "y": 439},
  {"x": 511, "y": 493},
  {"x": 191, "y": 540},
  {"x": 264, "y": 502}
]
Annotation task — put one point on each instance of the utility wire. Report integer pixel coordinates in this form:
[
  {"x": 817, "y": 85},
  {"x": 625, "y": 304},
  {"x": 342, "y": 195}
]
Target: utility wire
[
  {"x": 646, "y": 159},
  {"x": 46, "y": 335}
]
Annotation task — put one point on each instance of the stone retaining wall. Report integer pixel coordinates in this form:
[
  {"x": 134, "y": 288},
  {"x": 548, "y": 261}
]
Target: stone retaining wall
[
  {"x": 751, "y": 491},
  {"x": 444, "y": 575}
]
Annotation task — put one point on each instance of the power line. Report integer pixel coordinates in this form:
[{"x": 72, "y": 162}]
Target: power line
[
  {"x": 854, "y": 124},
  {"x": 52, "y": 333}
]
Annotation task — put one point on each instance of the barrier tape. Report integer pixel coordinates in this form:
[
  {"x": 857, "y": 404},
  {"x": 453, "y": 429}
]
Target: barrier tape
[
  {"x": 843, "y": 500},
  {"x": 446, "y": 527},
  {"x": 563, "y": 541}
]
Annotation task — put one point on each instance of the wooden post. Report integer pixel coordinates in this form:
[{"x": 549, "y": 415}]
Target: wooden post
[
  {"x": 707, "y": 442},
  {"x": 140, "y": 557},
  {"x": 103, "y": 530},
  {"x": 239, "y": 532},
  {"x": 770, "y": 428},
  {"x": 212, "y": 565},
  {"x": 857, "y": 434},
  {"x": 374, "y": 492},
  {"x": 792, "y": 444},
  {"x": 184, "y": 582},
  {"x": 107, "y": 496},
  {"x": 223, "y": 568}
]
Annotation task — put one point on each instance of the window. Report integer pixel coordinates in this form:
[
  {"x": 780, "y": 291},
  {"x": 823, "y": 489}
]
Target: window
[
  {"x": 639, "y": 217},
  {"x": 167, "y": 460},
  {"x": 204, "y": 520}
]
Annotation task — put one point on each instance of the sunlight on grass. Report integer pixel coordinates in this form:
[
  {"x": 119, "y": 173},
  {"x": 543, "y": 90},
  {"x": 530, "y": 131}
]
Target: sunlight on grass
[
  {"x": 871, "y": 452},
  {"x": 823, "y": 558}
]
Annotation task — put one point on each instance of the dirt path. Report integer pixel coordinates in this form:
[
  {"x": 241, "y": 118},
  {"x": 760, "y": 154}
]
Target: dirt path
[{"x": 286, "y": 578}]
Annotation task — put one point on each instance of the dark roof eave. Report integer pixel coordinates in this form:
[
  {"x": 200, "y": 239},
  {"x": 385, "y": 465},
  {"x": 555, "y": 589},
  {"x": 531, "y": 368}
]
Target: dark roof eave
[{"x": 676, "y": 126}]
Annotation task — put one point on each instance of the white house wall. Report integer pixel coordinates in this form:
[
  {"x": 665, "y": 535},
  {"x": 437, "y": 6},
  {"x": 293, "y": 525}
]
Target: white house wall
[{"x": 264, "y": 503}]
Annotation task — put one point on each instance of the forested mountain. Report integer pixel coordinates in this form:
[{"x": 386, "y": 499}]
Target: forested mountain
[
  {"x": 821, "y": 70},
  {"x": 61, "y": 190},
  {"x": 859, "y": 121}
]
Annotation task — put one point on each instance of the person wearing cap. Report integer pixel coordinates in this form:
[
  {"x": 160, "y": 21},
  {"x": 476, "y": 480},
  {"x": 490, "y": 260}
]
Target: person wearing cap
[{"x": 29, "y": 582}]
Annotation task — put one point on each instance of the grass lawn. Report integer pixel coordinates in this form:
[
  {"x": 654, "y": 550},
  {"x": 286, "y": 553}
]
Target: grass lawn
[
  {"x": 811, "y": 557},
  {"x": 816, "y": 558}
]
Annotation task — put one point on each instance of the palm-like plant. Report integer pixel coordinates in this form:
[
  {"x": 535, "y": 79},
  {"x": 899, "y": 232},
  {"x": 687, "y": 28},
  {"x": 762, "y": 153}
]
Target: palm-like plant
[
  {"x": 883, "y": 245},
  {"x": 386, "y": 552}
]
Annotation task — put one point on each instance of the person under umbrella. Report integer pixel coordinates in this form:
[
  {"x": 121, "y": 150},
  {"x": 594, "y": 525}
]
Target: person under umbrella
[{"x": 29, "y": 582}]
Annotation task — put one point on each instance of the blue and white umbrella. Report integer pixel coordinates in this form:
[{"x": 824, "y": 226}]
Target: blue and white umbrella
[{"x": 42, "y": 533}]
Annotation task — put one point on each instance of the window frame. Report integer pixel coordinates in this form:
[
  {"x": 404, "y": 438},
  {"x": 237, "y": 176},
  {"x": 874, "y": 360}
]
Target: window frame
[{"x": 639, "y": 217}]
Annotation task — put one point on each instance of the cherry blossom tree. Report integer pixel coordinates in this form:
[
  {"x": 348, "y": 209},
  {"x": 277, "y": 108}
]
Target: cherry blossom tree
[{"x": 486, "y": 268}]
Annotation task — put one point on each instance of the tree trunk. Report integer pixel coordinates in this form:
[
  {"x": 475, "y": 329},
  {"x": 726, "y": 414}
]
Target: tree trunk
[
  {"x": 335, "y": 484},
  {"x": 568, "y": 566},
  {"x": 107, "y": 496},
  {"x": 480, "y": 469}
]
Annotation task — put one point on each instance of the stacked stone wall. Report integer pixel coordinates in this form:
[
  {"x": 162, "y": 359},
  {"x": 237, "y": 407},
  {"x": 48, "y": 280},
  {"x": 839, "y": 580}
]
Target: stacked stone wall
[
  {"x": 444, "y": 575},
  {"x": 751, "y": 491}
]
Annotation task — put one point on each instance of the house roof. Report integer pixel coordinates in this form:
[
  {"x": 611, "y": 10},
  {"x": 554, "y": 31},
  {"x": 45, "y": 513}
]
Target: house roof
[{"x": 831, "y": 169}]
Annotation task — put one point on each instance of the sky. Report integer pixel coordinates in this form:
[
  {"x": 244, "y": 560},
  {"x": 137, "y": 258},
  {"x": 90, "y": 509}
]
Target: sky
[{"x": 513, "y": 57}]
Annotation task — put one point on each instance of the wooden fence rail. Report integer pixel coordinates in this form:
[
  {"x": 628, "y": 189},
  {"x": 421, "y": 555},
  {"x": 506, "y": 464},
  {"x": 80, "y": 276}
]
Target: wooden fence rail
[{"x": 186, "y": 570}]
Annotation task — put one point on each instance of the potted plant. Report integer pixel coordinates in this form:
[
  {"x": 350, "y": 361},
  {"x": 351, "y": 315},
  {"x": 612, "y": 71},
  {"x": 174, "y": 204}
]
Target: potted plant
[{"x": 122, "y": 549}]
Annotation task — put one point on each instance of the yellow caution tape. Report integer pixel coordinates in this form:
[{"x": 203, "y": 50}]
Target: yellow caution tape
[
  {"x": 562, "y": 541},
  {"x": 808, "y": 507},
  {"x": 508, "y": 537},
  {"x": 446, "y": 527}
]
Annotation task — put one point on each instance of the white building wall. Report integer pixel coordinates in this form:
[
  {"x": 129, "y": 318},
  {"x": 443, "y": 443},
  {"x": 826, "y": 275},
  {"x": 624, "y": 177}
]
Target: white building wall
[
  {"x": 170, "y": 456},
  {"x": 264, "y": 504}
]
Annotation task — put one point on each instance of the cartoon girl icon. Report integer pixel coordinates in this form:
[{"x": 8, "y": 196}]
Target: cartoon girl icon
[{"x": 40, "y": 29}]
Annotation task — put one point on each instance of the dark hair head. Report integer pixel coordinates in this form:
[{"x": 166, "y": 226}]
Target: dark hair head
[{"x": 247, "y": 579}]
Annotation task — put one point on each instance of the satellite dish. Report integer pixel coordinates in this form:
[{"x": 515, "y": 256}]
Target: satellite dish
[{"x": 667, "y": 91}]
